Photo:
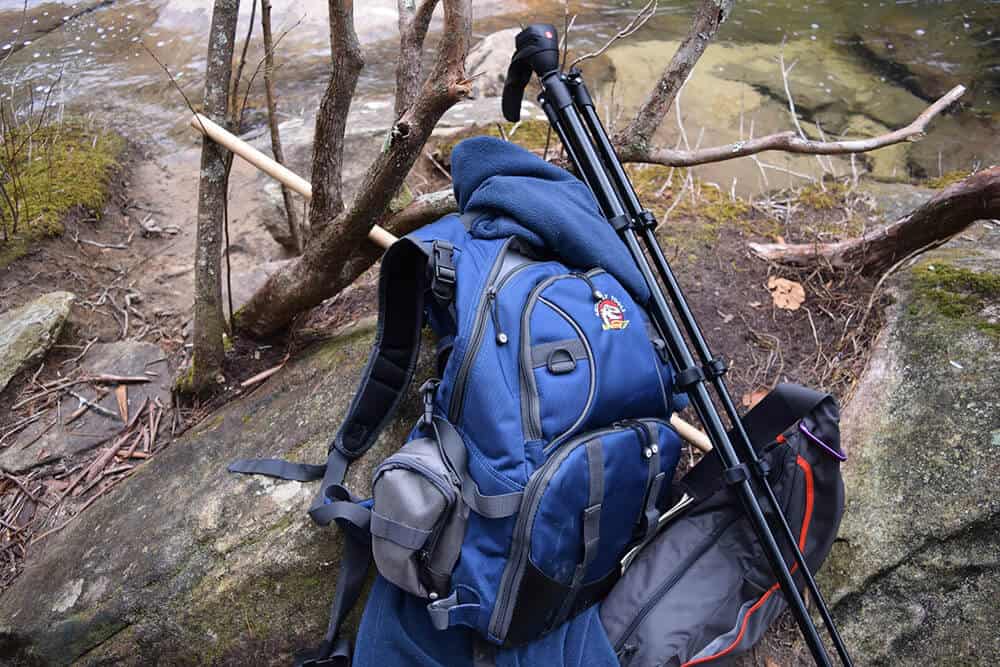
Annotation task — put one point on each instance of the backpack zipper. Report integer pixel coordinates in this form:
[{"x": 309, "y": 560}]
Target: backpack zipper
[
  {"x": 479, "y": 326},
  {"x": 530, "y": 410}
]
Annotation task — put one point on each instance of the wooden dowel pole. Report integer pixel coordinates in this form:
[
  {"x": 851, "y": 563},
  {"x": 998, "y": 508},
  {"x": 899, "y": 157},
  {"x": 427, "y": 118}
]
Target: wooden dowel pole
[
  {"x": 377, "y": 235},
  {"x": 278, "y": 172}
]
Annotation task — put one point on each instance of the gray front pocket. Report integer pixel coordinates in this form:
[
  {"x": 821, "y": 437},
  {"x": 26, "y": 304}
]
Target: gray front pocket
[{"x": 418, "y": 519}]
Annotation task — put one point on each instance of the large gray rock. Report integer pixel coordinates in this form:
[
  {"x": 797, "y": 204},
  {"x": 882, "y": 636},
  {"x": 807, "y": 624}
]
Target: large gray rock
[
  {"x": 915, "y": 574},
  {"x": 45, "y": 442},
  {"x": 27, "y": 333},
  {"x": 488, "y": 62},
  {"x": 188, "y": 564}
]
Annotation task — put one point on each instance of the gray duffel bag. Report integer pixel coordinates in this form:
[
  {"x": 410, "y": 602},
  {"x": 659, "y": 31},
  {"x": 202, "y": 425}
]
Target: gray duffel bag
[{"x": 701, "y": 590}]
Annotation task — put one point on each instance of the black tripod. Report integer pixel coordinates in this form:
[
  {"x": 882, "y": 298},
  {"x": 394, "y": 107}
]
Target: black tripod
[{"x": 570, "y": 110}]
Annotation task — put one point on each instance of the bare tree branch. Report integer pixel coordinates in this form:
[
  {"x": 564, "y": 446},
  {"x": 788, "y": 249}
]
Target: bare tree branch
[
  {"x": 414, "y": 20},
  {"x": 708, "y": 17},
  {"x": 272, "y": 121},
  {"x": 789, "y": 142},
  {"x": 331, "y": 120},
  {"x": 639, "y": 20},
  {"x": 948, "y": 213},
  {"x": 423, "y": 210},
  {"x": 340, "y": 252}
]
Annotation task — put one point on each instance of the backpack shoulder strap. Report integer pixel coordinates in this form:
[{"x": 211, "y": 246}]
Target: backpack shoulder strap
[{"x": 403, "y": 283}]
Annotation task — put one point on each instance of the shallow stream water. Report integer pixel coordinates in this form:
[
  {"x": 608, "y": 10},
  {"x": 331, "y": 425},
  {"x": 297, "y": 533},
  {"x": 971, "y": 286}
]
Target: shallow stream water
[{"x": 859, "y": 67}]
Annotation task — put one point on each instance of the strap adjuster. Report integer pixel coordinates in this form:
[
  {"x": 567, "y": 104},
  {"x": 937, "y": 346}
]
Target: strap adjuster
[
  {"x": 427, "y": 391},
  {"x": 443, "y": 272}
]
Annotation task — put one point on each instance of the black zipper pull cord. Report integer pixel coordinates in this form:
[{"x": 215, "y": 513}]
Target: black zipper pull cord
[
  {"x": 501, "y": 337},
  {"x": 596, "y": 293}
]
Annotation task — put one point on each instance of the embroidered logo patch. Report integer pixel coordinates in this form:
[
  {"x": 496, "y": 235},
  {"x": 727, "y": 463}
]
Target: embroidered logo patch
[{"x": 612, "y": 314}]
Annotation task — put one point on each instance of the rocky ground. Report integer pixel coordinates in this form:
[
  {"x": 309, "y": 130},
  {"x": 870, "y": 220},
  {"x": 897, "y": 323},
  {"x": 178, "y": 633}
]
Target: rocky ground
[{"x": 136, "y": 545}]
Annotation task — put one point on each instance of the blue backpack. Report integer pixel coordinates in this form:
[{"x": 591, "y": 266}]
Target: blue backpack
[{"x": 544, "y": 453}]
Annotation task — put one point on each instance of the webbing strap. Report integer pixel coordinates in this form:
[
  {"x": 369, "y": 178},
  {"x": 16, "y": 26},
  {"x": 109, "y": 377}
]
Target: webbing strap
[
  {"x": 491, "y": 507},
  {"x": 405, "y": 536},
  {"x": 772, "y": 416},
  {"x": 591, "y": 520}
]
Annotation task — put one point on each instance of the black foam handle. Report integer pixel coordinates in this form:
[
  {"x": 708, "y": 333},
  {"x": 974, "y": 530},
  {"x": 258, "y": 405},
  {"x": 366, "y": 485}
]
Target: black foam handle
[{"x": 536, "y": 51}]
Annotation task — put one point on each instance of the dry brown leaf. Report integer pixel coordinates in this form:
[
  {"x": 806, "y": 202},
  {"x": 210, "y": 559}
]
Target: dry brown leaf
[
  {"x": 121, "y": 393},
  {"x": 787, "y": 294},
  {"x": 753, "y": 398}
]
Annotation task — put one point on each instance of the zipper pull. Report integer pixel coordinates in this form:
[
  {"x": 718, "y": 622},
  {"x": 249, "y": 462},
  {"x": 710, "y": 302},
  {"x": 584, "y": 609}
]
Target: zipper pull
[
  {"x": 501, "y": 337},
  {"x": 596, "y": 293}
]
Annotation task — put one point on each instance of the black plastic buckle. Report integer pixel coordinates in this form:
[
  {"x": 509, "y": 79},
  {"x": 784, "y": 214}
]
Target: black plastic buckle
[
  {"x": 689, "y": 377},
  {"x": 737, "y": 474},
  {"x": 645, "y": 220},
  {"x": 427, "y": 391},
  {"x": 715, "y": 368},
  {"x": 443, "y": 271}
]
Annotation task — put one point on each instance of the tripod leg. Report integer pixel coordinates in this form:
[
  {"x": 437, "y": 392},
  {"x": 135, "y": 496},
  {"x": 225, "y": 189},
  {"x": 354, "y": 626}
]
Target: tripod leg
[
  {"x": 593, "y": 123},
  {"x": 592, "y": 167}
]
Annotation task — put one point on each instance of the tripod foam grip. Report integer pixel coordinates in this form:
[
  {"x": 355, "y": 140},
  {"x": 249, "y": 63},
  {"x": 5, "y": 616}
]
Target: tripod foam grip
[{"x": 537, "y": 51}]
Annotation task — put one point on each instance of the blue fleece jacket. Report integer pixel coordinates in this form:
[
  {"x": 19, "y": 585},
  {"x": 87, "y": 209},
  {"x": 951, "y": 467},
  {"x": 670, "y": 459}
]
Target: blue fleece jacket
[{"x": 546, "y": 207}]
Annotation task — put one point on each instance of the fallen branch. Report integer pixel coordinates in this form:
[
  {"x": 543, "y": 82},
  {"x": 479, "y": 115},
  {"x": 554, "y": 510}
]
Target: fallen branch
[
  {"x": 788, "y": 142},
  {"x": 948, "y": 213}
]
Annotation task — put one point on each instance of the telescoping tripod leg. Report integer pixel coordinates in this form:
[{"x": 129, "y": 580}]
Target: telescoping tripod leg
[
  {"x": 712, "y": 367},
  {"x": 537, "y": 51}
]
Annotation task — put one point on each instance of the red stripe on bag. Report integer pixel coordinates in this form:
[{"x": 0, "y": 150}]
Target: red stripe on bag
[{"x": 806, "y": 518}]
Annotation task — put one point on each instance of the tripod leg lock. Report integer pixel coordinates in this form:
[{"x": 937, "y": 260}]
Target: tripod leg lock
[
  {"x": 620, "y": 222},
  {"x": 715, "y": 368},
  {"x": 737, "y": 474},
  {"x": 689, "y": 377},
  {"x": 645, "y": 220}
]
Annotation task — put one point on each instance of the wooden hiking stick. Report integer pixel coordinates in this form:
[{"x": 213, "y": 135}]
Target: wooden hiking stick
[{"x": 377, "y": 235}]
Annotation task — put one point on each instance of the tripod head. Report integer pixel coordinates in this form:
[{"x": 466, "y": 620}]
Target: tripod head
[{"x": 537, "y": 52}]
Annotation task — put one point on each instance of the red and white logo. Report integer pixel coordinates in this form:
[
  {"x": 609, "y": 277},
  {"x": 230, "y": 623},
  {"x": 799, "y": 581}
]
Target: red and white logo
[{"x": 612, "y": 314}]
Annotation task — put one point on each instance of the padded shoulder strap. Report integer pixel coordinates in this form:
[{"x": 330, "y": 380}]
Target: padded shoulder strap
[{"x": 386, "y": 377}]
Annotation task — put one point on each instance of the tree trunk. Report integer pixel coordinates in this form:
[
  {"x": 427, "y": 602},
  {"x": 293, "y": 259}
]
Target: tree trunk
[
  {"x": 947, "y": 214},
  {"x": 331, "y": 120},
  {"x": 209, "y": 322},
  {"x": 337, "y": 254},
  {"x": 294, "y": 229}
]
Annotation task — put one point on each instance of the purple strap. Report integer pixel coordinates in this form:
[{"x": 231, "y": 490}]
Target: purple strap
[{"x": 840, "y": 456}]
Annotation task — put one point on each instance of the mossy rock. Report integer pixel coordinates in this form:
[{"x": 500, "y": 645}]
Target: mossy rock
[
  {"x": 186, "y": 563},
  {"x": 69, "y": 167},
  {"x": 531, "y": 134},
  {"x": 915, "y": 573}
]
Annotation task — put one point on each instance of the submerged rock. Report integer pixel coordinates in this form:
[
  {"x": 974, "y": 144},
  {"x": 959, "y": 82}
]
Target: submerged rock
[
  {"x": 27, "y": 333},
  {"x": 915, "y": 573},
  {"x": 189, "y": 564}
]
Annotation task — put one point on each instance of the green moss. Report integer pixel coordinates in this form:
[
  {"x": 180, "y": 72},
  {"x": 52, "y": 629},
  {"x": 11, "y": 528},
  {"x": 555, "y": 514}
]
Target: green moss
[
  {"x": 945, "y": 179},
  {"x": 823, "y": 197},
  {"x": 69, "y": 166},
  {"x": 956, "y": 293},
  {"x": 530, "y": 134}
]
